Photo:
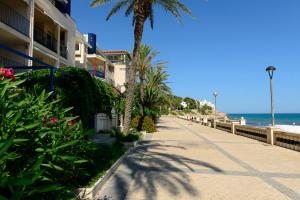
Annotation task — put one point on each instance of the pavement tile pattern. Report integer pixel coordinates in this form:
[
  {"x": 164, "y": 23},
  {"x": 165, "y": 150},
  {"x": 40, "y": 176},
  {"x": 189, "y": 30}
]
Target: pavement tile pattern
[{"x": 185, "y": 160}]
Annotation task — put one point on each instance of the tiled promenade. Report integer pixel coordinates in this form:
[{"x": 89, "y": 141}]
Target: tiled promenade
[{"x": 185, "y": 160}]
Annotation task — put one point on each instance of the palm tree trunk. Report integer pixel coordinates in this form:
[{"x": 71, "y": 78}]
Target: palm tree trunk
[
  {"x": 138, "y": 33},
  {"x": 142, "y": 97}
]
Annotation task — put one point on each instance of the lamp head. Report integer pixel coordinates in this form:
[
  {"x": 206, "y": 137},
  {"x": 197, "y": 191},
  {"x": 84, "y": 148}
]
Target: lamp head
[
  {"x": 215, "y": 94},
  {"x": 271, "y": 70}
]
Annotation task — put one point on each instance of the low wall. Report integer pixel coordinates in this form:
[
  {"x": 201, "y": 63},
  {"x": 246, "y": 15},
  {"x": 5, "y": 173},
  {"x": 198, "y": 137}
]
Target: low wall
[
  {"x": 287, "y": 140},
  {"x": 104, "y": 122},
  {"x": 269, "y": 135},
  {"x": 224, "y": 126},
  {"x": 252, "y": 132}
]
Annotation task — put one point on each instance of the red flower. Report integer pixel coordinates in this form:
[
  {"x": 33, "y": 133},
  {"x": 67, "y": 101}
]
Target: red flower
[
  {"x": 7, "y": 73},
  {"x": 53, "y": 120},
  {"x": 71, "y": 122}
]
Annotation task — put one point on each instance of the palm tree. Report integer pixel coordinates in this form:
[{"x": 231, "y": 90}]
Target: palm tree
[
  {"x": 145, "y": 62},
  {"x": 142, "y": 10},
  {"x": 156, "y": 89}
]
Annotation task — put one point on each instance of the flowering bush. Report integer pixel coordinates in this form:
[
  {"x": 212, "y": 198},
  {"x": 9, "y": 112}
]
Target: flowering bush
[{"x": 43, "y": 149}]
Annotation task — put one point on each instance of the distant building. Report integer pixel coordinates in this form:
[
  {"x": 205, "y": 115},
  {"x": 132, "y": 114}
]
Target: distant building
[
  {"x": 121, "y": 60},
  {"x": 205, "y": 102},
  {"x": 183, "y": 104},
  {"x": 42, "y": 29}
]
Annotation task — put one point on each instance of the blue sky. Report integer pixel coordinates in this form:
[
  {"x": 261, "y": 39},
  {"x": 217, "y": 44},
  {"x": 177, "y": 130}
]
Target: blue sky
[{"x": 225, "y": 49}]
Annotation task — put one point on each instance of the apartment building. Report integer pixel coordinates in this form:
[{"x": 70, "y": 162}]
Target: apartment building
[
  {"x": 81, "y": 50},
  {"x": 90, "y": 57},
  {"x": 121, "y": 60},
  {"x": 42, "y": 29}
]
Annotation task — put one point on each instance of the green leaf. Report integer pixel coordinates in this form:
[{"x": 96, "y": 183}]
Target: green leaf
[
  {"x": 5, "y": 145},
  {"x": 23, "y": 181},
  {"x": 70, "y": 158},
  {"x": 81, "y": 161},
  {"x": 39, "y": 150},
  {"x": 67, "y": 110},
  {"x": 37, "y": 164},
  {"x": 71, "y": 143},
  {"x": 52, "y": 166},
  {"x": 20, "y": 140},
  {"x": 27, "y": 127}
]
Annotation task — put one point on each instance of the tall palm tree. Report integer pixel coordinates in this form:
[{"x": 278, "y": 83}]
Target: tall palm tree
[{"x": 141, "y": 10}]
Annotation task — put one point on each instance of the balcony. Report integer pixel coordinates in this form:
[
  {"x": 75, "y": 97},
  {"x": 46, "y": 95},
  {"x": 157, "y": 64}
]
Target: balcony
[
  {"x": 63, "y": 51},
  {"x": 63, "y": 7},
  {"x": 96, "y": 72},
  {"x": 45, "y": 39},
  {"x": 13, "y": 19}
]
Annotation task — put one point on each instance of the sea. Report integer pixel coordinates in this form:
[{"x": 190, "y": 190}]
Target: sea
[{"x": 262, "y": 120}]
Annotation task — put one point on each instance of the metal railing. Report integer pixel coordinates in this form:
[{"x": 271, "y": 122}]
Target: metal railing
[
  {"x": 6, "y": 62},
  {"x": 63, "y": 51},
  {"x": 13, "y": 19},
  {"x": 45, "y": 39},
  {"x": 95, "y": 72}
]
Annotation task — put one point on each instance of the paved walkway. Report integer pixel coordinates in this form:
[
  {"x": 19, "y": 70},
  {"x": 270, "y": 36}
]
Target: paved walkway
[{"x": 185, "y": 161}]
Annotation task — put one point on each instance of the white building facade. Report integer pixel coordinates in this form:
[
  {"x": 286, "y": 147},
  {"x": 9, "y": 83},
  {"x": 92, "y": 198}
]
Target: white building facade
[
  {"x": 42, "y": 29},
  {"x": 205, "y": 102}
]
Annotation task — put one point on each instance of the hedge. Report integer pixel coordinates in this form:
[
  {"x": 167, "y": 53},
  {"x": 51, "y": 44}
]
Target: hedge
[{"x": 77, "y": 89}]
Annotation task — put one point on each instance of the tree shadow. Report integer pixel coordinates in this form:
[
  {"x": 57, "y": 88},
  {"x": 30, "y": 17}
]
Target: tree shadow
[
  {"x": 149, "y": 169},
  {"x": 166, "y": 128}
]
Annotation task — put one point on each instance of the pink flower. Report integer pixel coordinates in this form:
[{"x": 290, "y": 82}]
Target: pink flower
[
  {"x": 53, "y": 120},
  {"x": 71, "y": 122},
  {"x": 7, "y": 73}
]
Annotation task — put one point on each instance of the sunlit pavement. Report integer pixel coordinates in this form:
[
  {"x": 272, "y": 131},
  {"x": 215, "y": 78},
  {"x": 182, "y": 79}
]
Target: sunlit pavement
[{"x": 185, "y": 160}]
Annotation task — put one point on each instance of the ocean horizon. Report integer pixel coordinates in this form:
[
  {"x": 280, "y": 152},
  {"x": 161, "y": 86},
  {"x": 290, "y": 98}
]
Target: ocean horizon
[{"x": 264, "y": 119}]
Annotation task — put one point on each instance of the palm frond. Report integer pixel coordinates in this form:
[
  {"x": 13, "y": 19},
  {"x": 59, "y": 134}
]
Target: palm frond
[
  {"x": 151, "y": 17},
  {"x": 116, "y": 8},
  {"x": 95, "y": 3},
  {"x": 129, "y": 10}
]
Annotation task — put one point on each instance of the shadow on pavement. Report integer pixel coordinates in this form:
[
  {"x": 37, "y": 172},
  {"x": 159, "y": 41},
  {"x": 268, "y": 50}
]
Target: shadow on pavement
[{"x": 149, "y": 169}]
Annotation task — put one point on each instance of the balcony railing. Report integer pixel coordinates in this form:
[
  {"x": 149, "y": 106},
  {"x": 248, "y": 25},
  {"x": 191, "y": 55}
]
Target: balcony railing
[
  {"x": 13, "y": 19},
  {"x": 6, "y": 62},
  {"x": 63, "y": 51},
  {"x": 45, "y": 39}
]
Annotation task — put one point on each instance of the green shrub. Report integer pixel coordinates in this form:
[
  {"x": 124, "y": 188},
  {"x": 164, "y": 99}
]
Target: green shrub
[
  {"x": 130, "y": 137},
  {"x": 135, "y": 122},
  {"x": 44, "y": 152},
  {"x": 78, "y": 89},
  {"x": 148, "y": 124}
]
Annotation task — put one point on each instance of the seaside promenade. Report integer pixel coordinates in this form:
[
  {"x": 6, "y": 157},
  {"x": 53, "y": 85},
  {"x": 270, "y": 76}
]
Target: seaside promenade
[{"x": 185, "y": 160}]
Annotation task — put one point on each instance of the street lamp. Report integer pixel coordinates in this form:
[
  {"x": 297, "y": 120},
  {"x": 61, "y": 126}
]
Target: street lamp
[
  {"x": 215, "y": 95},
  {"x": 270, "y": 71}
]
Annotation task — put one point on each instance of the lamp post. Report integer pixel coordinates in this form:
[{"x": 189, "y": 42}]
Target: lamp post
[
  {"x": 215, "y": 95},
  {"x": 270, "y": 71}
]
